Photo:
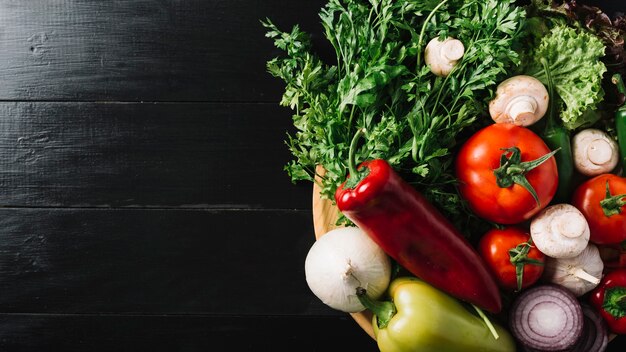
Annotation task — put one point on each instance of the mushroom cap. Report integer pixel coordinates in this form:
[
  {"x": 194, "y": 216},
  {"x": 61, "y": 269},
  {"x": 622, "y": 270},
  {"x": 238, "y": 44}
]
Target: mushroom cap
[
  {"x": 521, "y": 100},
  {"x": 560, "y": 231},
  {"x": 442, "y": 56},
  {"x": 595, "y": 152}
]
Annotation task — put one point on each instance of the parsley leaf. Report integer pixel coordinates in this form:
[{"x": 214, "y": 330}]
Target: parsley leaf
[{"x": 379, "y": 82}]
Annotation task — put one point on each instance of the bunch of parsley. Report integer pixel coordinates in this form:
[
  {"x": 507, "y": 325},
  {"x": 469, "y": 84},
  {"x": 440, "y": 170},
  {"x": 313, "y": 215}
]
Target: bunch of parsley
[{"x": 380, "y": 82}]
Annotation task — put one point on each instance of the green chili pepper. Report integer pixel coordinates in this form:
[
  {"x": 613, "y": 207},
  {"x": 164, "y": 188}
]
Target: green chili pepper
[
  {"x": 620, "y": 122},
  {"x": 422, "y": 318},
  {"x": 556, "y": 136}
]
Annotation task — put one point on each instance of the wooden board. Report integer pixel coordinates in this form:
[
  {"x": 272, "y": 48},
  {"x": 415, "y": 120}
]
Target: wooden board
[{"x": 325, "y": 215}]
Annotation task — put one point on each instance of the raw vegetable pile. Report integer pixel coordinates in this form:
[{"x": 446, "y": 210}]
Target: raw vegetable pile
[{"x": 475, "y": 151}]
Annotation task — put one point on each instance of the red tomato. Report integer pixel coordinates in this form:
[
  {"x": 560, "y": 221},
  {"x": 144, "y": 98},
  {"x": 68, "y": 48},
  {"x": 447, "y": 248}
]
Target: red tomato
[
  {"x": 498, "y": 247},
  {"x": 609, "y": 227},
  {"x": 510, "y": 203}
]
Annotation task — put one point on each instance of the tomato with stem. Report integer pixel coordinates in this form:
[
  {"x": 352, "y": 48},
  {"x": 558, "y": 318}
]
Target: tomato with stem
[
  {"x": 602, "y": 200},
  {"x": 512, "y": 258},
  {"x": 506, "y": 173}
]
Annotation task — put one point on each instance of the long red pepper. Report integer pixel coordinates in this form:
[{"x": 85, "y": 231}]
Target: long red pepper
[{"x": 415, "y": 234}]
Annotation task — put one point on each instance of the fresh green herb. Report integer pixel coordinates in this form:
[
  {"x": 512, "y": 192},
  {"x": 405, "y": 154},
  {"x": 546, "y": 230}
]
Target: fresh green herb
[{"x": 379, "y": 82}]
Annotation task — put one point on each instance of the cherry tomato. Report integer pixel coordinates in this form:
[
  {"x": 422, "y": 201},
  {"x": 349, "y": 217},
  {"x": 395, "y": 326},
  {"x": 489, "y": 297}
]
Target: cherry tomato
[
  {"x": 605, "y": 210},
  {"x": 499, "y": 168},
  {"x": 510, "y": 255}
]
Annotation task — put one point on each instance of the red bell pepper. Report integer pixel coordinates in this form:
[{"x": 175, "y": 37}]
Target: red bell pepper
[
  {"x": 609, "y": 298},
  {"x": 414, "y": 233}
]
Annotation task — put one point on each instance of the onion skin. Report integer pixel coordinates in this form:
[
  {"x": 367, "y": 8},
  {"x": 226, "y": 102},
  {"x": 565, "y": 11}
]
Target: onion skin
[
  {"x": 594, "y": 324},
  {"x": 594, "y": 338},
  {"x": 534, "y": 310},
  {"x": 342, "y": 260}
]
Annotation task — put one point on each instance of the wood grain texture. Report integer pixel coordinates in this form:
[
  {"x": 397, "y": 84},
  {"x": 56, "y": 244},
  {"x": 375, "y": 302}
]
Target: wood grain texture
[
  {"x": 167, "y": 225},
  {"x": 146, "y": 155},
  {"x": 143, "y": 50},
  {"x": 149, "y": 50},
  {"x": 156, "y": 262},
  {"x": 106, "y": 333}
]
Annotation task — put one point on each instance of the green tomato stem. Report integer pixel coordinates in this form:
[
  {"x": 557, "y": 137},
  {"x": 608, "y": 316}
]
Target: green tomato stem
[
  {"x": 513, "y": 171},
  {"x": 612, "y": 205}
]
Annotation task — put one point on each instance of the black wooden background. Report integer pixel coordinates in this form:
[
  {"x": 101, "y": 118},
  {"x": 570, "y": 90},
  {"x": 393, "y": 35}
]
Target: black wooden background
[{"x": 143, "y": 204}]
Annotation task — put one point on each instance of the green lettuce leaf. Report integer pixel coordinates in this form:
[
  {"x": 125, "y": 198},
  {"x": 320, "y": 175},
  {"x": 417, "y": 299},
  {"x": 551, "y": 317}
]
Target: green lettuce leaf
[{"x": 574, "y": 60}]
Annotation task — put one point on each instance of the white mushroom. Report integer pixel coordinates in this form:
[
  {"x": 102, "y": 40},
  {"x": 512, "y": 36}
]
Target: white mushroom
[
  {"x": 521, "y": 100},
  {"x": 595, "y": 152},
  {"x": 442, "y": 56},
  {"x": 560, "y": 231},
  {"x": 579, "y": 274}
]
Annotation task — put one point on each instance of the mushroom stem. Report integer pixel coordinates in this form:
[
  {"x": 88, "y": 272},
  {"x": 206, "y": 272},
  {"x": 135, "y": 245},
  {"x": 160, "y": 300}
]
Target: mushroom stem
[
  {"x": 595, "y": 152},
  {"x": 452, "y": 50},
  {"x": 583, "y": 275},
  {"x": 599, "y": 151},
  {"x": 522, "y": 108},
  {"x": 521, "y": 100},
  {"x": 442, "y": 56},
  {"x": 570, "y": 226}
]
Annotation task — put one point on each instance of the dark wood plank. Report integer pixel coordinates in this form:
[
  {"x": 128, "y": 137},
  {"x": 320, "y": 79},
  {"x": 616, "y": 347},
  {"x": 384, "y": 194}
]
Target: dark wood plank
[
  {"x": 156, "y": 261},
  {"x": 149, "y": 50},
  {"x": 19, "y": 332},
  {"x": 156, "y": 155},
  {"x": 180, "y": 333}
]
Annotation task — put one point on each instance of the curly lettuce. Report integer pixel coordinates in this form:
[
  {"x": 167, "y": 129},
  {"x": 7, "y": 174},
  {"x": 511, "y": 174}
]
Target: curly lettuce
[{"x": 574, "y": 60}]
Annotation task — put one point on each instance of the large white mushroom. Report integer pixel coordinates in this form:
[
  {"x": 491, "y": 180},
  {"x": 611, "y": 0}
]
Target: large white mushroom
[
  {"x": 521, "y": 100},
  {"x": 442, "y": 56},
  {"x": 595, "y": 152},
  {"x": 560, "y": 231}
]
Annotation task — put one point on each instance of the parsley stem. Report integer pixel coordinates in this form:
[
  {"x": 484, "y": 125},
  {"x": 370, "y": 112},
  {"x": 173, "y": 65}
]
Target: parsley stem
[
  {"x": 350, "y": 118},
  {"x": 423, "y": 31},
  {"x": 352, "y": 152}
]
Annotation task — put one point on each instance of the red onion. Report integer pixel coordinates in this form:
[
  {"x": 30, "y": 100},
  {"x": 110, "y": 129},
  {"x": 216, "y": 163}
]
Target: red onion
[
  {"x": 594, "y": 337},
  {"x": 547, "y": 318}
]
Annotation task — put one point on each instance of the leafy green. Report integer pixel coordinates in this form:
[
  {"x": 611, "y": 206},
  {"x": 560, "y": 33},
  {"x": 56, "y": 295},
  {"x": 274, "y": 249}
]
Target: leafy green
[
  {"x": 573, "y": 57},
  {"x": 611, "y": 30},
  {"x": 379, "y": 82}
]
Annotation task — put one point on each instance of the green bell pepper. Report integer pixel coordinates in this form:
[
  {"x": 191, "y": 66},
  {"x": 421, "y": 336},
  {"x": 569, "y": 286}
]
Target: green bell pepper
[{"x": 423, "y": 318}]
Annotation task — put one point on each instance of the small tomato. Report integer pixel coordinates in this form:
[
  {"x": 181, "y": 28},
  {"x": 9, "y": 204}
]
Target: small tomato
[
  {"x": 507, "y": 173},
  {"x": 602, "y": 200},
  {"x": 514, "y": 261}
]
